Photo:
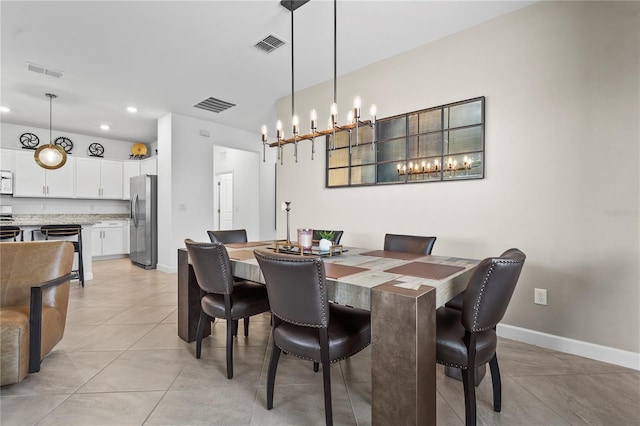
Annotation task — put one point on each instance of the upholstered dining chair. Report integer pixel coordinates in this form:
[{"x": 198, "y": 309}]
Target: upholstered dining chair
[
  {"x": 223, "y": 297},
  {"x": 11, "y": 232},
  {"x": 336, "y": 235},
  {"x": 467, "y": 338},
  {"x": 305, "y": 324},
  {"x": 229, "y": 236},
  {"x": 63, "y": 231},
  {"x": 409, "y": 243},
  {"x": 232, "y": 236}
]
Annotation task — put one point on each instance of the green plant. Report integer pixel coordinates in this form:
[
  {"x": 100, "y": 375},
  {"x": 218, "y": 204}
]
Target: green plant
[{"x": 327, "y": 235}]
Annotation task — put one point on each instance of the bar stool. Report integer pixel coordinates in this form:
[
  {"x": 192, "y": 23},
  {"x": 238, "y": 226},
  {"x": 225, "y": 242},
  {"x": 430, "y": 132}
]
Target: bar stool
[
  {"x": 11, "y": 232},
  {"x": 56, "y": 231}
]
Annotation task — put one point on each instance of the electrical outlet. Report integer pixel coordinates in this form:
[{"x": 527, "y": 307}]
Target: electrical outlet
[{"x": 540, "y": 296}]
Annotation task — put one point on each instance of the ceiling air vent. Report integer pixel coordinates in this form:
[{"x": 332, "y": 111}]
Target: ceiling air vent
[
  {"x": 269, "y": 43},
  {"x": 44, "y": 70},
  {"x": 214, "y": 105}
]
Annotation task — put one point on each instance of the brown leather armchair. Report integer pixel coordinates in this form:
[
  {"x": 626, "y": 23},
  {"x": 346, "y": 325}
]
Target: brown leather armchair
[{"x": 34, "y": 285}]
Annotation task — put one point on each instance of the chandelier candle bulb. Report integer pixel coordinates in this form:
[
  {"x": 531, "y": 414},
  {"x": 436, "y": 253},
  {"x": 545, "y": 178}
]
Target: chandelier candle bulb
[
  {"x": 313, "y": 117},
  {"x": 334, "y": 114},
  {"x": 357, "y": 103},
  {"x": 296, "y": 125},
  {"x": 279, "y": 134}
]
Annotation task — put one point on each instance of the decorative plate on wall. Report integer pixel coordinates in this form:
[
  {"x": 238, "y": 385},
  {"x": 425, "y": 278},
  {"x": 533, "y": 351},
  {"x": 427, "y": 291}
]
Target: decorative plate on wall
[
  {"x": 65, "y": 143},
  {"x": 29, "y": 140},
  {"x": 96, "y": 150}
]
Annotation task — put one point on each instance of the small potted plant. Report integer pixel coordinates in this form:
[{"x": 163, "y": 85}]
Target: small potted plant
[{"x": 326, "y": 240}]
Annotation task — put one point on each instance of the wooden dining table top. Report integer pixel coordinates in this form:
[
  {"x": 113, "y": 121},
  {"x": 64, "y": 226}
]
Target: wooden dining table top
[{"x": 352, "y": 274}]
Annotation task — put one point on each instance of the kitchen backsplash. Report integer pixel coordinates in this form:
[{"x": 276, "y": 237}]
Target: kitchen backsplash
[{"x": 62, "y": 206}]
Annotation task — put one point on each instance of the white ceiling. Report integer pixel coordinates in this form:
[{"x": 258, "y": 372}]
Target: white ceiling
[{"x": 166, "y": 56}]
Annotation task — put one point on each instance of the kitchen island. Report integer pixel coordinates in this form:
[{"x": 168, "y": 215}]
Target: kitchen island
[{"x": 95, "y": 230}]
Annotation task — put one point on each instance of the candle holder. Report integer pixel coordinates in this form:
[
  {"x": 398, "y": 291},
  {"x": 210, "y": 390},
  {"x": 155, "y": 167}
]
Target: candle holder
[
  {"x": 305, "y": 239},
  {"x": 288, "y": 209}
]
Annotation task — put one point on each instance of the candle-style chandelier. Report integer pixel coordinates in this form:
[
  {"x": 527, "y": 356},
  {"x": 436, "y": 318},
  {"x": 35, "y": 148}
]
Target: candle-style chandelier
[{"x": 353, "y": 119}]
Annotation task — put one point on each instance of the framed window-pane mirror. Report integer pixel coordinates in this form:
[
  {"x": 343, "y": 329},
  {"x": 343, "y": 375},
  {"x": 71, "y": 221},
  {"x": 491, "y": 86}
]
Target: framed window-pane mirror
[{"x": 432, "y": 145}]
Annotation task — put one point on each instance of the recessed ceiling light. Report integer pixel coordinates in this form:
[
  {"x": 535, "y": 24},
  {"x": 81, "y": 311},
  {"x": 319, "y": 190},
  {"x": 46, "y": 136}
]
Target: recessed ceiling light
[
  {"x": 5, "y": 109},
  {"x": 104, "y": 126},
  {"x": 132, "y": 109}
]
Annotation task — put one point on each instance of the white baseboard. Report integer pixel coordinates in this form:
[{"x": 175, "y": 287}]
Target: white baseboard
[
  {"x": 571, "y": 346},
  {"x": 167, "y": 269}
]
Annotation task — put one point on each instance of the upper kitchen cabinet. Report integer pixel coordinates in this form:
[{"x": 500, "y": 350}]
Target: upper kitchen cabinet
[
  {"x": 31, "y": 180},
  {"x": 99, "y": 179},
  {"x": 149, "y": 166},
  {"x": 130, "y": 169},
  {"x": 6, "y": 159}
]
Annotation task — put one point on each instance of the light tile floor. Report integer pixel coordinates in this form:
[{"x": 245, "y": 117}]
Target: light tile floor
[{"x": 122, "y": 363}]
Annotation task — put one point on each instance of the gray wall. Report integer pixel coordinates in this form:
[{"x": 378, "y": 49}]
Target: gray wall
[{"x": 561, "y": 81}]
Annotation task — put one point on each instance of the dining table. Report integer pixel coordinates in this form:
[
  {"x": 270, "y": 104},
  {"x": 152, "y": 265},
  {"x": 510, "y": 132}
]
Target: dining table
[{"x": 401, "y": 290}]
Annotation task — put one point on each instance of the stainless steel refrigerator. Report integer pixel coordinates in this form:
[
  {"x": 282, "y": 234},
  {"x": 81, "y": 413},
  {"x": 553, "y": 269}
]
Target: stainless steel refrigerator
[{"x": 143, "y": 226}]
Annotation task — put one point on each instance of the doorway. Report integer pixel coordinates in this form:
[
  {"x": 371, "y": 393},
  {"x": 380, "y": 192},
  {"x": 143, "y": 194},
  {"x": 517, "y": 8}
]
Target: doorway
[{"x": 224, "y": 183}]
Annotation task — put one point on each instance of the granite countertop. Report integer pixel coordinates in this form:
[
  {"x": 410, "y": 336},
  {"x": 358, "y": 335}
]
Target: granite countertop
[{"x": 62, "y": 219}]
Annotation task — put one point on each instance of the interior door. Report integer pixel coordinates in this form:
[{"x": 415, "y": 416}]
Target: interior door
[{"x": 225, "y": 201}]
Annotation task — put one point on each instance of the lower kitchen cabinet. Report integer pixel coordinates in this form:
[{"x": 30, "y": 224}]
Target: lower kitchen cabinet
[{"x": 109, "y": 238}]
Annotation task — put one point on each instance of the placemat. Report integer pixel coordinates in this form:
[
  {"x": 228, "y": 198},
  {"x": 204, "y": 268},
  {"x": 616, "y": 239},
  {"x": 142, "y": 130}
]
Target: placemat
[
  {"x": 335, "y": 270},
  {"x": 249, "y": 244},
  {"x": 393, "y": 254},
  {"x": 432, "y": 271},
  {"x": 241, "y": 254}
]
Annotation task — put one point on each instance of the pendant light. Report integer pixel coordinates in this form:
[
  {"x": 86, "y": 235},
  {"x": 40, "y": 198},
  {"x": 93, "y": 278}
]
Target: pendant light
[{"x": 50, "y": 156}]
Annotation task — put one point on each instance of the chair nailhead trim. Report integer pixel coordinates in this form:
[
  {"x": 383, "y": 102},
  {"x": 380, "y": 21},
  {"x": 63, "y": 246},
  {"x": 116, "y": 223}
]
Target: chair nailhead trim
[
  {"x": 331, "y": 361},
  {"x": 318, "y": 263},
  {"x": 476, "y": 306}
]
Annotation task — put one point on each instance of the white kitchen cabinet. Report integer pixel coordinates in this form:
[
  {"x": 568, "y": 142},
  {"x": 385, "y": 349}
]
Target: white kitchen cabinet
[
  {"x": 130, "y": 169},
  {"x": 149, "y": 166},
  {"x": 99, "y": 178},
  {"x": 6, "y": 159},
  {"x": 31, "y": 180},
  {"x": 108, "y": 238}
]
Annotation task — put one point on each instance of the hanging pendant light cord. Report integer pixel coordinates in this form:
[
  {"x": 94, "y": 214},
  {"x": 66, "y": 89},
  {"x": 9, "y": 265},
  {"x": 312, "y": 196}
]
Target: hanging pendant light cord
[
  {"x": 50, "y": 117},
  {"x": 293, "y": 101},
  {"x": 335, "y": 50}
]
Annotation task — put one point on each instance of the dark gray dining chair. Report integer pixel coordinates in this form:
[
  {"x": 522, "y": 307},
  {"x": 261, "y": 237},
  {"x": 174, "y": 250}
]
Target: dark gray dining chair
[
  {"x": 305, "y": 324},
  {"x": 223, "y": 297},
  {"x": 409, "y": 243},
  {"x": 228, "y": 236},
  {"x": 231, "y": 236},
  {"x": 466, "y": 338}
]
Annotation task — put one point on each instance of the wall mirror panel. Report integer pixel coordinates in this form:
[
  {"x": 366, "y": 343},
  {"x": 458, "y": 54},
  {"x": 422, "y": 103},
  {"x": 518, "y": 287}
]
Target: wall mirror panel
[{"x": 437, "y": 144}]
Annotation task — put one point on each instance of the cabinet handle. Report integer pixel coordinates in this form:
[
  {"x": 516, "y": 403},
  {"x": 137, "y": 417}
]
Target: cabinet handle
[
  {"x": 47, "y": 189},
  {"x": 43, "y": 191}
]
